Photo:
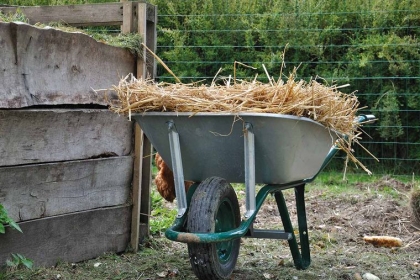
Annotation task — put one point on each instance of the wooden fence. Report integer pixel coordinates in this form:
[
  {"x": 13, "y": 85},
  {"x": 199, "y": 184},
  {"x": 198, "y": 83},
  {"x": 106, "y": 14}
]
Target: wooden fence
[{"x": 74, "y": 175}]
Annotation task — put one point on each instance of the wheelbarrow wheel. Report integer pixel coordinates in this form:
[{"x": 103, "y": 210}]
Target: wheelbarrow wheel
[{"x": 214, "y": 208}]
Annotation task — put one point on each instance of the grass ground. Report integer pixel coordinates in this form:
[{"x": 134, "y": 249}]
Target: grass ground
[{"x": 339, "y": 214}]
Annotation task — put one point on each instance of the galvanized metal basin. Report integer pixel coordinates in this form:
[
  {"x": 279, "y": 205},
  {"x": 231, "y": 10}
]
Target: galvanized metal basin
[{"x": 287, "y": 148}]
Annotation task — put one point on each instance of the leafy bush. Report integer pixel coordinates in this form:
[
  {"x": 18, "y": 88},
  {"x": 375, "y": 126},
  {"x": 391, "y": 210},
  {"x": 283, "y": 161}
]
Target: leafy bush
[
  {"x": 6, "y": 220},
  {"x": 371, "y": 45},
  {"x": 162, "y": 217},
  {"x": 19, "y": 261}
]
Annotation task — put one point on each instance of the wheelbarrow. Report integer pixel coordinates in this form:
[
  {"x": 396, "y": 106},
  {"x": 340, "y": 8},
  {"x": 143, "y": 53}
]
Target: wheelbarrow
[{"x": 216, "y": 149}]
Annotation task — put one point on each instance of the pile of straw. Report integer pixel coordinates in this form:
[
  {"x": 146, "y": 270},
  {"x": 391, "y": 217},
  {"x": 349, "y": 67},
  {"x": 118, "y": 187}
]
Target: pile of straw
[{"x": 324, "y": 104}]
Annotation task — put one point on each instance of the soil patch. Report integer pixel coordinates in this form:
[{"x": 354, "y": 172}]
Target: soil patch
[{"x": 337, "y": 220}]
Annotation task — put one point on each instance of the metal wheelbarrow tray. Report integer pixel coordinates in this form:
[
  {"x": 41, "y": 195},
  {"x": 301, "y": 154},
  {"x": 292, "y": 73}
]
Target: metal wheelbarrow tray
[{"x": 212, "y": 149}]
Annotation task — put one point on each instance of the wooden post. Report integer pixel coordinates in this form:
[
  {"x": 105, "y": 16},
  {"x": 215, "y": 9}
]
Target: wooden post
[
  {"x": 146, "y": 65},
  {"x": 137, "y": 187},
  {"x": 146, "y": 68},
  {"x": 129, "y": 17},
  {"x": 141, "y": 18}
]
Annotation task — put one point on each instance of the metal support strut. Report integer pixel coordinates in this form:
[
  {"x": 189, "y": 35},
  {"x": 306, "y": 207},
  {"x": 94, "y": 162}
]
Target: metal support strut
[
  {"x": 302, "y": 258},
  {"x": 177, "y": 169},
  {"x": 249, "y": 170}
]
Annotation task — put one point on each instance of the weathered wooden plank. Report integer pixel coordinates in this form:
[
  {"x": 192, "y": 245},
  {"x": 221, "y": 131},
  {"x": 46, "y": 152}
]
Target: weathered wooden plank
[
  {"x": 146, "y": 184},
  {"x": 146, "y": 64},
  {"x": 142, "y": 29},
  {"x": 151, "y": 13},
  {"x": 137, "y": 181},
  {"x": 35, "y": 136},
  {"x": 151, "y": 38},
  {"x": 78, "y": 15},
  {"x": 71, "y": 238},
  {"x": 89, "y": 14},
  {"x": 129, "y": 18},
  {"x": 148, "y": 68},
  {"x": 139, "y": 21},
  {"x": 45, "y": 66},
  {"x": 45, "y": 190}
]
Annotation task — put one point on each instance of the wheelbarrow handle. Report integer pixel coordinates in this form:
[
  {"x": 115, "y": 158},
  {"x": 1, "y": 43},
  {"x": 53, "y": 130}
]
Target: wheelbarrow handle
[{"x": 366, "y": 119}]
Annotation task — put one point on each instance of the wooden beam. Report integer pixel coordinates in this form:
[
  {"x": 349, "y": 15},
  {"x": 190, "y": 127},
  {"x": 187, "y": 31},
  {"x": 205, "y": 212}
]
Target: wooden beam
[
  {"x": 143, "y": 23},
  {"x": 136, "y": 186},
  {"x": 147, "y": 18},
  {"x": 77, "y": 15},
  {"x": 151, "y": 39},
  {"x": 46, "y": 66},
  {"x": 34, "y": 191},
  {"x": 142, "y": 29},
  {"x": 145, "y": 188},
  {"x": 146, "y": 68},
  {"x": 129, "y": 17},
  {"x": 70, "y": 238},
  {"x": 51, "y": 135}
]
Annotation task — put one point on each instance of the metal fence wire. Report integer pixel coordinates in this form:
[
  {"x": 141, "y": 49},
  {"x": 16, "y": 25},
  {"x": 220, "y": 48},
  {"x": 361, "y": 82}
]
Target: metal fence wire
[{"x": 374, "y": 48}]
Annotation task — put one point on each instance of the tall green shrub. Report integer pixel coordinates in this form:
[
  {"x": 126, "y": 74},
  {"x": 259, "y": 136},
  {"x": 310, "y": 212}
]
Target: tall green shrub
[{"x": 372, "y": 45}]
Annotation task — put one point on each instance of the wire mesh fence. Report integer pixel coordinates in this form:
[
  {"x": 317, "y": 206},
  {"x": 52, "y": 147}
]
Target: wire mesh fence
[{"x": 373, "y": 48}]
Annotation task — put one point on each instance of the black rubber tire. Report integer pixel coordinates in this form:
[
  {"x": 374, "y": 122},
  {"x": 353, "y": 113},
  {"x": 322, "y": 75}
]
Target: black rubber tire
[{"x": 214, "y": 208}]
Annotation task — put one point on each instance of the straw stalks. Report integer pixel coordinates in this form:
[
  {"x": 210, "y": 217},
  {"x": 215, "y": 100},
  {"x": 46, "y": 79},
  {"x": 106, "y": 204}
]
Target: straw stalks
[{"x": 324, "y": 104}]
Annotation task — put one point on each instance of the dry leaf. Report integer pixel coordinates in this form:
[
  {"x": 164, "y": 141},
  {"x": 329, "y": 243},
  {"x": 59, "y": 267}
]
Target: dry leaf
[{"x": 383, "y": 241}]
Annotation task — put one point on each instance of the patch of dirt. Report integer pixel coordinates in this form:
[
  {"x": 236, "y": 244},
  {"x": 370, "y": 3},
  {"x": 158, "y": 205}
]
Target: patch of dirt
[
  {"x": 384, "y": 183},
  {"x": 337, "y": 223}
]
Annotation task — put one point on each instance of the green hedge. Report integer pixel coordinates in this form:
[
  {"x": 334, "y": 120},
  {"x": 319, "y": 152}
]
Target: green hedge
[{"x": 371, "y": 45}]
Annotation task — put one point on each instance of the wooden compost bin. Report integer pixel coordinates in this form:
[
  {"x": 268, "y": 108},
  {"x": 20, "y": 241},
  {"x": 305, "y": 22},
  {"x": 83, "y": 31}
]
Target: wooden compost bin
[{"x": 70, "y": 170}]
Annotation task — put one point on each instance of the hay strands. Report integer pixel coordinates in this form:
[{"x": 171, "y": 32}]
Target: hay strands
[{"x": 324, "y": 104}]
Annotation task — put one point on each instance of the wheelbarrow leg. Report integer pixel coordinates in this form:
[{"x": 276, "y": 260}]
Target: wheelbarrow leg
[
  {"x": 303, "y": 227},
  {"x": 302, "y": 258},
  {"x": 178, "y": 170},
  {"x": 249, "y": 149}
]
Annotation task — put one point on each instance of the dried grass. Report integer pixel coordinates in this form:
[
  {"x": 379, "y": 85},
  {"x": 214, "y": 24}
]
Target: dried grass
[
  {"x": 324, "y": 104},
  {"x": 415, "y": 204}
]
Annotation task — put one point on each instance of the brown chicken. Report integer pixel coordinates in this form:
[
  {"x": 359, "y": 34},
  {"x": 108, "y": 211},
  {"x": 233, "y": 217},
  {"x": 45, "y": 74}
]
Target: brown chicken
[{"x": 165, "y": 180}]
